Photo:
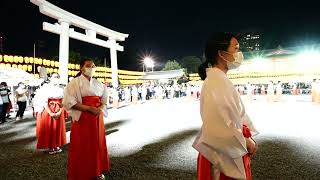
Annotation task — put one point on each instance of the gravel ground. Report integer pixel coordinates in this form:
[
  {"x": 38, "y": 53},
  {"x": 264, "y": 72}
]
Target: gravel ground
[{"x": 153, "y": 141}]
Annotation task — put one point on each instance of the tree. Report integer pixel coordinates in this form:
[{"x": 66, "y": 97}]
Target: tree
[
  {"x": 171, "y": 65},
  {"x": 191, "y": 63}
]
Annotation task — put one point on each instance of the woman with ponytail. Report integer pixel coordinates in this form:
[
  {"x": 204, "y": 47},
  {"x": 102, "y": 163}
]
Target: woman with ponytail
[{"x": 225, "y": 143}]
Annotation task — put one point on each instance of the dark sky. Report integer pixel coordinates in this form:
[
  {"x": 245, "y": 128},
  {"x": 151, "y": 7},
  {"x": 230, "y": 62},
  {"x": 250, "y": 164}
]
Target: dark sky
[{"x": 167, "y": 30}]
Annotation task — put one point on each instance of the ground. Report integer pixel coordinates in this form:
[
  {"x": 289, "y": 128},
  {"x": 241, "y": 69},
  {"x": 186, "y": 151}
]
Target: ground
[{"x": 153, "y": 141}]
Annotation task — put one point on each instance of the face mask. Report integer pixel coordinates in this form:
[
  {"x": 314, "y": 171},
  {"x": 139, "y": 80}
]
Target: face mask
[
  {"x": 89, "y": 71},
  {"x": 234, "y": 60},
  {"x": 54, "y": 80}
]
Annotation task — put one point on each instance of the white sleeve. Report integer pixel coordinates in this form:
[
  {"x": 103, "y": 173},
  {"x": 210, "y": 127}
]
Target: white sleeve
[{"x": 70, "y": 95}]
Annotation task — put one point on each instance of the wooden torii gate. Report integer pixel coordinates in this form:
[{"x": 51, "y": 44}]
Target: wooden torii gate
[{"x": 65, "y": 20}]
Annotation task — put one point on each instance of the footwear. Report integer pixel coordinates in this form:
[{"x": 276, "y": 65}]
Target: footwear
[
  {"x": 101, "y": 177},
  {"x": 18, "y": 118},
  {"x": 52, "y": 151},
  {"x": 58, "y": 150}
]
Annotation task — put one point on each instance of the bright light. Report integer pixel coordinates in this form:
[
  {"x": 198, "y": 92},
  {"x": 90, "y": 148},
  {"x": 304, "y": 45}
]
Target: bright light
[{"x": 148, "y": 61}]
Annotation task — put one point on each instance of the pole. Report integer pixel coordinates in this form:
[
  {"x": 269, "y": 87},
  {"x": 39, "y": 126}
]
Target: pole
[{"x": 34, "y": 56}]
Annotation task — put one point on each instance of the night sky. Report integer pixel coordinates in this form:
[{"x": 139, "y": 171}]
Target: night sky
[{"x": 167, "y": 30}]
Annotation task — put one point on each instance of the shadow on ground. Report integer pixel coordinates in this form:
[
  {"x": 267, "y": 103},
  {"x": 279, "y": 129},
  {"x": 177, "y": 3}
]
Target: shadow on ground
[
  {"x": 144, "y": 165},
  {"x": 283, "y": 159}
]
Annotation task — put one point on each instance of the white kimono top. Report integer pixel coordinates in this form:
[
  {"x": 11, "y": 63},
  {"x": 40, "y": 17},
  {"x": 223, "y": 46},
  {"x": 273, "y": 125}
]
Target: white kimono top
[
  {"x": 223, "y": 114},
  {"x": 40, "y": 100},
  {"x": 80, "y": 87}
]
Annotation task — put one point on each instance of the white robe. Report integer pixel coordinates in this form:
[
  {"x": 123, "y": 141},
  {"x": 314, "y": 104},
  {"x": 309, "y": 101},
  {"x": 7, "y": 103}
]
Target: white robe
[
  {"x": 80, "y": 87},
  {"x": 221, "y": 140},
  {"x": 40, "y": 100}
]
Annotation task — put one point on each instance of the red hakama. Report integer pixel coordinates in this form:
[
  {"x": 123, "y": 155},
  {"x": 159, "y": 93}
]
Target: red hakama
[
  {"x": 88, "y": 156},
  {"x": 204, "y": 166},
  {"x": 51, "y": 133}
]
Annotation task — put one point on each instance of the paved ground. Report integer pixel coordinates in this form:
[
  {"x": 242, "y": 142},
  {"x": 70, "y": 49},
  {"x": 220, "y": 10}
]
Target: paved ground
[{"x": 153, "y": 141}]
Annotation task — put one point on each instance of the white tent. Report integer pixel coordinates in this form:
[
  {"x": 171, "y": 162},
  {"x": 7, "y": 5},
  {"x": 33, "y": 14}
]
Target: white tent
[{"x": 13, "y": 76}]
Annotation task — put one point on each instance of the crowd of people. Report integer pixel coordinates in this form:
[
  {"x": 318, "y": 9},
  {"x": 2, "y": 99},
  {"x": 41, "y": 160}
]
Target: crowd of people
[{"x": 144, "y": 92}]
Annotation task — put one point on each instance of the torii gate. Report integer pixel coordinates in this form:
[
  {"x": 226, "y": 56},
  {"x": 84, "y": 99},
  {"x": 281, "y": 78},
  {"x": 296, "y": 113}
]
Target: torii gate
[{"x": 66, "y": 19}]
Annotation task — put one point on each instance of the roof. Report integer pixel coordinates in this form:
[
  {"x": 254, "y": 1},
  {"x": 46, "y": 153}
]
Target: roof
[{"x": 156, "y": 75}]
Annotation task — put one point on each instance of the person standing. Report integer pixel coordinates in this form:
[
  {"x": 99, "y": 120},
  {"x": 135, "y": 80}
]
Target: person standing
[
  {"x": 224, "y": 143},
  {"x": 21, "y": 95},
  {"x": 85, "y": 99},
  {"x": 51, "y": 128},
  {"x": 4, "y": 96}
]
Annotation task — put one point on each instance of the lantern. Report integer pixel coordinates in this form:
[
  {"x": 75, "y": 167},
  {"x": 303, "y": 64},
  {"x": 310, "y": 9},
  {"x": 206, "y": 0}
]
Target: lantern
[
  {"x": 55, "y": 70},
  {"x": 56, "y": 63},
  {"x": 52, "y": 63},
  {"x": 14, "y": 66},
  {"x": 26, "y": 60},
  {"x": 77, "y": 66},
  {"x": 10, "y": 59},
  {"x": 8, "y": 65},
  {"x": 0, "y": 58},
  {"x": 31, "y": 60},
  {"x": 25, "y": 67},
  {"x": 5, "y": 58},
  {"x": 29, "y": 68},
  {"x": 20, "y": 59}
]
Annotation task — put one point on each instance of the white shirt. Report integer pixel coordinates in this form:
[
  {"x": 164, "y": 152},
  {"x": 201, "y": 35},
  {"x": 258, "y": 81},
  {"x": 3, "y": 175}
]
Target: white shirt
[
  {"x": 80, "y": 87},
  {"x": 21, "y": 91},
  {"x": 223, "y": 114}
]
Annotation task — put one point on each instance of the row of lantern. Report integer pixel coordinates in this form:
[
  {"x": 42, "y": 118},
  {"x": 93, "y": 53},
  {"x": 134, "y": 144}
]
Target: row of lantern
[
  {"x": 31, "y": 60},
  {"x": 51, "y": 63}
]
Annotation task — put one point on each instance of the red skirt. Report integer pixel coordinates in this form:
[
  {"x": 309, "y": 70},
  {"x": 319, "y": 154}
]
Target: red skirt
[
  {"x": 204, "y": 165},
  {"x": 88, "y": 156},
  {"x": 51, "y": 133}
]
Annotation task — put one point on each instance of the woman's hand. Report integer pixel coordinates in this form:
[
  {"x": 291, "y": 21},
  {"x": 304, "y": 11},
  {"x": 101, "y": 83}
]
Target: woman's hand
[
  {"x": 252, "y": 146},
  {"x": 94, "y": 110}
]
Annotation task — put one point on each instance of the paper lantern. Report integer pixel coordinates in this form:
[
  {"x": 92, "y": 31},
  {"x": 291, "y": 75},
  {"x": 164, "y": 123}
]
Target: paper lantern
[
  {"x": 69, "y": 73},
  {"x": 14, "y": 66},
  {"x": 55, "y": 70},
  {"x": 8, "y": 65},
  {"x": 29, "y": 68},
  {"x": 56, "y": 63},
  {"x": 40, "y": 61},
  {"x": 52, "y": 63},
  {"x": 10, "y": 59},
  {"x": 20, "y": 66},
  {"x": 20, "y": 59},
  {"x": 38, "y": 68},
  {"x": 31, "y": 60},
  {"x": 26, "y": 60},
  {"x": 25, "y": 67},
  {"x": 5, "y": 58},
  {"x": 0, "y": 58},
  {"x": 77, "y": 66},
  {"x": 2, "y": 65}
]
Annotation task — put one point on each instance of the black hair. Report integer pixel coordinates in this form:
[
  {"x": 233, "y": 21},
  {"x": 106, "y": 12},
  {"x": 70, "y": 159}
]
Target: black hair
[
  {"x": 82, "y": 62},
  {"x": 218, "y": 41}
]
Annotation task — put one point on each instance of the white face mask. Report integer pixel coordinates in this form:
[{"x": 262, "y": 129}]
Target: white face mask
[
  {"x": 89, "y": 71},
  {"x": 55, "y": 81},
  {"x": 234, "y": 60}
]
